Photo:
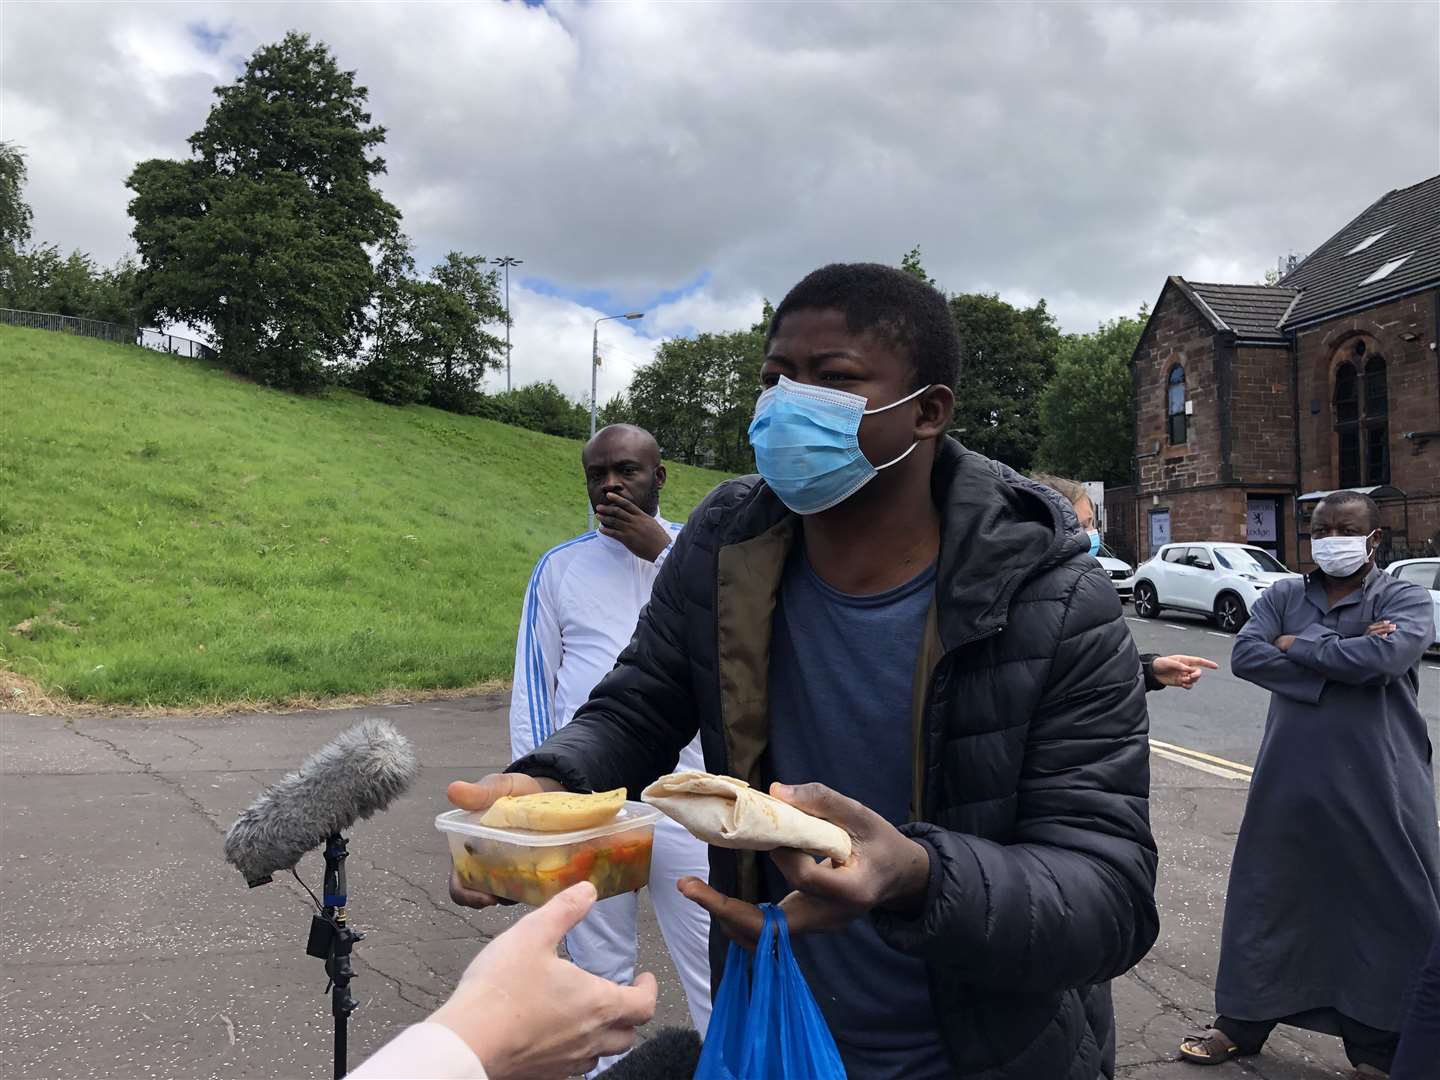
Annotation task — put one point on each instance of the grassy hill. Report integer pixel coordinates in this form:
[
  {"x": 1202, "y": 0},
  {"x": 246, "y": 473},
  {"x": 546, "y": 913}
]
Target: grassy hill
[{"x": 171, "y": 535}]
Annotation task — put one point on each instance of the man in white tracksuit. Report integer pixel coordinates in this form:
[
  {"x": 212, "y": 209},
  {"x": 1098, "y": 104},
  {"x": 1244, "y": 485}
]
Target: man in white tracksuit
[{"x": 580, "y": 611}]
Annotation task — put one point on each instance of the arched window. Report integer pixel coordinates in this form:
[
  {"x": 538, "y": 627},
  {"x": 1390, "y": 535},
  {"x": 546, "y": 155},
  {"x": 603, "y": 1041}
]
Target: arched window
[
  {"x": 1175, "y": 405},
  {"x": 1347, "y": 423},
  {"x": 1377, "y": 424},
  {"x": 1362, "y": 429}
]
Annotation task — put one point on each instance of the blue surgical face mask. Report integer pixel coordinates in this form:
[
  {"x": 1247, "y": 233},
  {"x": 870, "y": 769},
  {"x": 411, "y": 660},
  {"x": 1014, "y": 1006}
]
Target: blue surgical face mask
[
  {"x": 1094, "y": 542},
  {"x": 807, "y": 443}
]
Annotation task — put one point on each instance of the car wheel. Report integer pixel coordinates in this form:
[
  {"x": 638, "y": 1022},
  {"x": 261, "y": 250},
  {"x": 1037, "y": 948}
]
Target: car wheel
[
  {"x": 1230, "y": 613},
  {"x": 1147, "y": 602}
]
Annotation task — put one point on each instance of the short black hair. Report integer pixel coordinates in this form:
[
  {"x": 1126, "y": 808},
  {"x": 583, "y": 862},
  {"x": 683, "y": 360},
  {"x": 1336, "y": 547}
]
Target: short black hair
[
  {"x": 894, "y": 305},
  {"x": 1353, "y": 498}
]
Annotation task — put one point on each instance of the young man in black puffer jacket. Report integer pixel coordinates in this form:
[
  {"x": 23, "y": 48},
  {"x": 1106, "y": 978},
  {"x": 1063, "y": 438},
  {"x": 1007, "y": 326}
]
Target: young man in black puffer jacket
[{"x": 917, "y": 639}]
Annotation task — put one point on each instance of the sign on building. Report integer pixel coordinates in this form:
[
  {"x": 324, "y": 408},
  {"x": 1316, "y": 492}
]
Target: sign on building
[
  {"x": 1260, "y": 525},
  {"x": 1159, "y": 529}
]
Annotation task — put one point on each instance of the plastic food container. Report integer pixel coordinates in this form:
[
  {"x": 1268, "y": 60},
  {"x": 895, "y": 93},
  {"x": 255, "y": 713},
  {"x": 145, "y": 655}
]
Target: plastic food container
[{"x": 531, "y": 867}]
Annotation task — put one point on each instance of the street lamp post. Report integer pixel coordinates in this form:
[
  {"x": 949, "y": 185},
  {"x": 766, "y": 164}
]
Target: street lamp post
[
  {"x": 506, "y": 261},
  {"x": 594, "y": 371},
  {"x": 595, "y": 358}
]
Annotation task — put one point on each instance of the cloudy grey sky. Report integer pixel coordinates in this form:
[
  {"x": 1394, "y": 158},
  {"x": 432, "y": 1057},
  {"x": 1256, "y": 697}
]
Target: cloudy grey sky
[{"x": 691, "y": 158}]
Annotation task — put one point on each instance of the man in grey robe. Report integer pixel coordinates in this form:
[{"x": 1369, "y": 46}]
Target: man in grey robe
[{"x": 1335, "y": 886}]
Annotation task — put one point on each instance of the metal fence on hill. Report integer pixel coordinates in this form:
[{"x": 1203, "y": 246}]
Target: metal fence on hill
[
  {"x": 176, "y": 346},
  {"x": 108, "y": 331}
]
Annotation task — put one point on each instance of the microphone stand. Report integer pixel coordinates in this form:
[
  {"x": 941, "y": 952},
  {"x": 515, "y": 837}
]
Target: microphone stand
[{"x": 331, "y": 940}]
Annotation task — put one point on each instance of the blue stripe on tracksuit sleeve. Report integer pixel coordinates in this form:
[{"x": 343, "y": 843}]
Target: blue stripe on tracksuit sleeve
[
  {"x": 542, "y": 720},
  {"x": 527, "y": 624},
  {"x": 540, "y": 704}
]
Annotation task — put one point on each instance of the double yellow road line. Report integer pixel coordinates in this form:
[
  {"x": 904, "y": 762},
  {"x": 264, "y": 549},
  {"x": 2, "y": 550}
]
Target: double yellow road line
[{"x": 1197, "y": 759}]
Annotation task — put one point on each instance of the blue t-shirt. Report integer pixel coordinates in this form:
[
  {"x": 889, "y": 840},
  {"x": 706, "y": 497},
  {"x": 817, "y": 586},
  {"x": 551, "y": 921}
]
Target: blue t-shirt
[{"x": 842, "y": 670}]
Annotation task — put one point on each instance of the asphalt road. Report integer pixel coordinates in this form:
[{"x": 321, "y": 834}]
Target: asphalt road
[
  {"x": 128, "y": 949},
  {"x": 1222, "y": 715}
]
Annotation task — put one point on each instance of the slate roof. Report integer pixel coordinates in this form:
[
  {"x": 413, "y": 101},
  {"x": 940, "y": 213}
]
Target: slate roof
[
  {"x": 1331, "y": 279},
  {"x": 1253, "y": 312}
]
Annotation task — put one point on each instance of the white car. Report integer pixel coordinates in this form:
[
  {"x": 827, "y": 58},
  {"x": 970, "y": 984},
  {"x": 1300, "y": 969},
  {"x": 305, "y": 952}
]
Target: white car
[
  {"x": 1222, "y": 581},
  {"x": 1122, "y": 574},
  {"x": 1425, "y": 572}
]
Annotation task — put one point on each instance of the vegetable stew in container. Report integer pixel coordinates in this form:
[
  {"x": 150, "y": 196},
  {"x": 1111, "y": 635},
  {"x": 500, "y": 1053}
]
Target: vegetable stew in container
[{"x": 531, "y": 867}]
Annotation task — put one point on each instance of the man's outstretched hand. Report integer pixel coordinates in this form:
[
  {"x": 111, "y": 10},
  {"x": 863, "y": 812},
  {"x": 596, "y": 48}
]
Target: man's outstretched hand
[
  {"x": 1181, "y": 671},
  {"x": 886, "y": 869},
  {"x": 481, "y": 796}
]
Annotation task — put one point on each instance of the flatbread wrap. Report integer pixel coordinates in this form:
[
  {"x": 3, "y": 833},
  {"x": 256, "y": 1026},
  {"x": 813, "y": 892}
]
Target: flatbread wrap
[{"x": 729, "y": 813}]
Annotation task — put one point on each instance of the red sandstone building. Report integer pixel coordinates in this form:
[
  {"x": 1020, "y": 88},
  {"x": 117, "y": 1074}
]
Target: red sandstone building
[{"x": 1252, "y": 400}]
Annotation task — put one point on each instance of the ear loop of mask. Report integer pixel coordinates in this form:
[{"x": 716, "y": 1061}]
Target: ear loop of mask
[
  {"x": 908, "y": 397},
  {"x": 884, "y": 408}
]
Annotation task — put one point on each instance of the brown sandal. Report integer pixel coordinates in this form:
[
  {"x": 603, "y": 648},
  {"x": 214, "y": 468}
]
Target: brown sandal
[{"x": 1212, "y": 1048}]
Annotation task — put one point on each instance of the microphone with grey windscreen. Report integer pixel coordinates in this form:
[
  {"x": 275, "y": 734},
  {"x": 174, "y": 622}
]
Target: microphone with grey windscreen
[{"x": 358, "y": 773}]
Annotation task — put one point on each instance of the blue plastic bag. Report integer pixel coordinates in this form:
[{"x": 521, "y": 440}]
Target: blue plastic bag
[
  {"x": 766, "y": 1026},
  {"x": 724, "y": 1048}
]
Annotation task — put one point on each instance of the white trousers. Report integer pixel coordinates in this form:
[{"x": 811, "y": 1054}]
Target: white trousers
[{"x": 604, "y": 943}]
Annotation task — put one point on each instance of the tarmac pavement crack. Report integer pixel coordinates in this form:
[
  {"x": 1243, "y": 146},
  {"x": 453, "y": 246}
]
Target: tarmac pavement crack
[
  {"x": 195, "y": 804},
  {"x": 1167, "y": 1003},
  {"x": 1129, "y": 1067},
  {"x": 197, "y": 747},
  {"x": 1190, "y": 806},
  {"x": 1161, "y": 1013},
  {"x": 149, "y": 770},
  {"x": 442, "y": 909},
  {"x": 401, "y": 985},
  {"x": 116, "y": 749}
]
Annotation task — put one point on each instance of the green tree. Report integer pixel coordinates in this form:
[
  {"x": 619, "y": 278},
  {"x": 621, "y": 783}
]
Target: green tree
[
  {"x": 39, "y": 278},
  {"x": 114, "y": 293},
  {"x": 448, "y": 314},
  {"x": 667, "y": 398},
  {"x": 14, "y": 210},
  {"x": 1088, "y": 410},
  {"x": 614, "y": 411},
  {"x": 427, "y": 336},
  {"x": 539, "y": 406},
  {"x": 263, "y": 235},
  {"x": 697, "y": 397},
  {"x": 734, "y": 386},
  {"x": 910, "y": 263},
  {"x": 1007, "y": 360},
  {"x": 392, "y": 371},
  {"x": 70, "y": 285}
]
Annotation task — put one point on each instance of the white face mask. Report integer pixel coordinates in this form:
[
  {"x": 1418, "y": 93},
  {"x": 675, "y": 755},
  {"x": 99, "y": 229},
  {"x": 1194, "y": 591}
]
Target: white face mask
[{"x": 1340, "y": 556}]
